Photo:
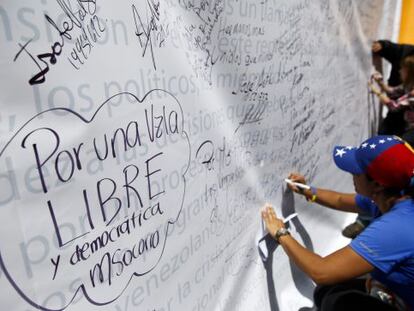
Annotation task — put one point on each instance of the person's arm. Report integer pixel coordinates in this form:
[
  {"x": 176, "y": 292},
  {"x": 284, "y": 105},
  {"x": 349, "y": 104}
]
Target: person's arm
[
  {"x": 377, "y": 77},
  {"x": 376, "y": 58},
  {"x": 384, "y": 99},
  {"x": 385, "y": 87},
  {"x": 392, "y": 52},
  {"x": 336, "y": 200},
  {"x": 339, "y": 266},
  {"x": 376, "y": 47}
]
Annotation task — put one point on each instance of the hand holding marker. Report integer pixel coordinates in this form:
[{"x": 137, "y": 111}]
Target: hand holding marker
[
  {"x": 301, "y": 187},
  {"x": 297, "y": 184}
]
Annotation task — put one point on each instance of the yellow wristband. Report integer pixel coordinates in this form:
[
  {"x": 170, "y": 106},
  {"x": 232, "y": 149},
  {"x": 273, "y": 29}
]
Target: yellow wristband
[{"x": 313, "y": 197}]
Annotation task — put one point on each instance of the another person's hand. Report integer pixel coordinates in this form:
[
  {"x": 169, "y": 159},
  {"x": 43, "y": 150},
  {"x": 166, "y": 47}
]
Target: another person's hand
[
  {"x": 377, "y": 76},
  {"x": 273, "y": 224},
  {"x": 374, "y": 89},
  {"x": 296, "y": 177},
  {"x": 376, "y": 47}
]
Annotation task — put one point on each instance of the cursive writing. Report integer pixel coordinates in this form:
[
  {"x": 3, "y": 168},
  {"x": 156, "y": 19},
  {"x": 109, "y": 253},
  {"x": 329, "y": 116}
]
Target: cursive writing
[
  {"x": 152, "y": 32},
  {"x": 75, "y": 19}
]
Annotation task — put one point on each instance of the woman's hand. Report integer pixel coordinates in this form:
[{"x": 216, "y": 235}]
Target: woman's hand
[
  {"x": 273, "y": 224},
  {"x": 376, "y": 47},
  {"x": 296, "y": 177},
  {"x": 377, "y": 77}
]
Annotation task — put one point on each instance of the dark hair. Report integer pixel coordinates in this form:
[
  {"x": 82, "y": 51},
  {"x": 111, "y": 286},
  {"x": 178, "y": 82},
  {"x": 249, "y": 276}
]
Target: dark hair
[{"x": 395, "y": 192}]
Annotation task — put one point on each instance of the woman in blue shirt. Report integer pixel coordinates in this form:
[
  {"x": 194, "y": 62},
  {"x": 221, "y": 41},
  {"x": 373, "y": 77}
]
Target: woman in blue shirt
[{"x": 383, "y": 172}]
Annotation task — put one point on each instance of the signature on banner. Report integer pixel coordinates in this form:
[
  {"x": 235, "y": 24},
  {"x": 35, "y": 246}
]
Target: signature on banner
[
  {"x": 82, "y": 18},
  {"x": 151, "y": 32}
]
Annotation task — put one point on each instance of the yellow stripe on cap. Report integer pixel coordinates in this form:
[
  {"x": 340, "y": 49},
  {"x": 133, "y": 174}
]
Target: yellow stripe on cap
[{"x": 409, "y": 147}]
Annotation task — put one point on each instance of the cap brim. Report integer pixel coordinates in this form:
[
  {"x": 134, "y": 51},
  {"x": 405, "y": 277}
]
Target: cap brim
[{"x": 345, "y": 159}]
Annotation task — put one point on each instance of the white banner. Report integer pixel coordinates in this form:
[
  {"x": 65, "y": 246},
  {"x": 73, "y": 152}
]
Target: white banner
[{"x": 139, "y": 140}]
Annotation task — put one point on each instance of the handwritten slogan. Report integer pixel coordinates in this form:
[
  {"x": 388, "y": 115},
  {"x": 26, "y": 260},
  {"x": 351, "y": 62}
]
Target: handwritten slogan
[{"x": 131, "y": 206}]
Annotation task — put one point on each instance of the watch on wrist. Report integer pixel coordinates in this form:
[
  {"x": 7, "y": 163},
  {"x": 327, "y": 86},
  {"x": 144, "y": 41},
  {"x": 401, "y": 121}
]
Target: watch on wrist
[{"x": 281, "y": 232}]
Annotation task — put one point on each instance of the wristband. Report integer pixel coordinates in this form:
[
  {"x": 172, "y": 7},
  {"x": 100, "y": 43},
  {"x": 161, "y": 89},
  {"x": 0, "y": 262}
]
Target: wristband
[
  {"x": 281, "y": 232},
  {"x": 313, "y": 197}
]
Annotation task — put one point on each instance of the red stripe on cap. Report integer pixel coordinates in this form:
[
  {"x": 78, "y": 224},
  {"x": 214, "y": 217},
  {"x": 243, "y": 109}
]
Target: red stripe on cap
[{"x": 393, "y": 168}]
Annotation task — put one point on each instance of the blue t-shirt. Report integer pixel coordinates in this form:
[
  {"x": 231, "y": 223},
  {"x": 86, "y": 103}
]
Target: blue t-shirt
[{"x": 388, "y": 244}]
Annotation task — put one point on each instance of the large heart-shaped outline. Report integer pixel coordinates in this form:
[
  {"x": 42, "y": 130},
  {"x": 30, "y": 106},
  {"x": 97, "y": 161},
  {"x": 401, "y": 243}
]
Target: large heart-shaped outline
[{"x": 169, "y": 221}]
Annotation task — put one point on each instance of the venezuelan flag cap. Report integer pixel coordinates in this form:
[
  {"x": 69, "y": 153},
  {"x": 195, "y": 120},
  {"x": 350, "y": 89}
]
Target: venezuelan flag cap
[{"x": 388, "y": 160}]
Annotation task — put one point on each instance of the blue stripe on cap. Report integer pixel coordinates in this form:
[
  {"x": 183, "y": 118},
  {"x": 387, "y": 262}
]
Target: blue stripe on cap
[
  {"x": 370, "y": 149},
  {"x": 345, "y": 159},
  {"x": 355, "y": 160}
]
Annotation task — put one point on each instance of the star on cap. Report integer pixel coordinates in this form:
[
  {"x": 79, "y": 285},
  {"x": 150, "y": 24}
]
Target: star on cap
[
  {"x": 382, "y": 141},
  {"x": 349, "y": 147},
  {"x": 389, "y": 138},
  {"x": 364, "y": 145},
  {"x": 340, "y": 152},
  {"x": 372, "y": 146}
]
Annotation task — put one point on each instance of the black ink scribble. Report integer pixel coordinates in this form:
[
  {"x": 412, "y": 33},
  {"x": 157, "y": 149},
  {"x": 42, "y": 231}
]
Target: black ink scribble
[
  {"x": 152, "y": 32},
  {"x": 199, "y": 35},
  {"x": 75, "y": 19},
  {"x": 217, "y": 159},
  {"x": 253, "y": 115},
  {"x": 207, "y": 147}
]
